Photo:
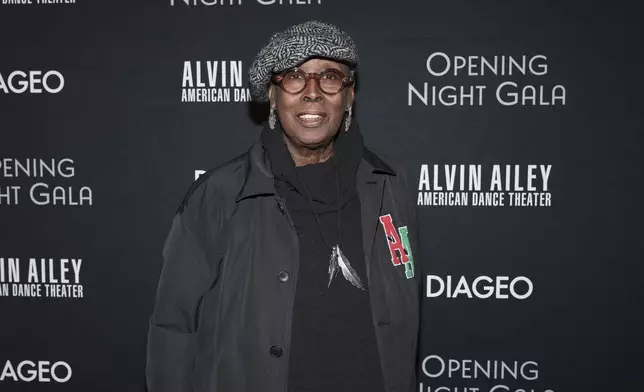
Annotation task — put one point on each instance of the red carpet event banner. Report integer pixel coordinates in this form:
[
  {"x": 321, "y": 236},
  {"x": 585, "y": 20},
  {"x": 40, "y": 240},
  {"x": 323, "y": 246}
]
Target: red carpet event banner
[{"x": 519, "y": 125}]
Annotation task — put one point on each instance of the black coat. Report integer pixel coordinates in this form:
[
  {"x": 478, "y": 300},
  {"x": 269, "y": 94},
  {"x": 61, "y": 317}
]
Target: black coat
[{"x": 222, "y": 318}]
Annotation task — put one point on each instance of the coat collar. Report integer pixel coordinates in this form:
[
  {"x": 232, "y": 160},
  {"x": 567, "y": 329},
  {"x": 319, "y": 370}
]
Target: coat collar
[{"x": 259, "y": 179}]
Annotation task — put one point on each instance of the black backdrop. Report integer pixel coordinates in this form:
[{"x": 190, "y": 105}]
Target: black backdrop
[{"x": 547, "y": 293}]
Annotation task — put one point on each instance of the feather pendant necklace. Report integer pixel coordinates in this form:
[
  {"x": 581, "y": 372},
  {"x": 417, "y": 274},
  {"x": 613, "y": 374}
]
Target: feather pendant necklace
[{"x": 338, "y": 261}]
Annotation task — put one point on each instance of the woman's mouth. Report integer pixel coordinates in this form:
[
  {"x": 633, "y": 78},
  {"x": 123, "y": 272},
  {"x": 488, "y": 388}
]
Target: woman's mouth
[{"x": 311, "y": 120}]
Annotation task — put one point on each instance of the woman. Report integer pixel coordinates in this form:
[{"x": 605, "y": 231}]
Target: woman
[{"x": 290, "y": 268}]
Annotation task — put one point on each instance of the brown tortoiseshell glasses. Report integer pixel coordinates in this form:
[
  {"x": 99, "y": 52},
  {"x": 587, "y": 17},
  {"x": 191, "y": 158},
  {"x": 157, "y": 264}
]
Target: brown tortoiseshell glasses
[{"x": 329, "y": 81}]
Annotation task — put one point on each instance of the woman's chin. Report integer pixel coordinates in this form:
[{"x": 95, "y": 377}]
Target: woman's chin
[{"x": 313, "y": 137}]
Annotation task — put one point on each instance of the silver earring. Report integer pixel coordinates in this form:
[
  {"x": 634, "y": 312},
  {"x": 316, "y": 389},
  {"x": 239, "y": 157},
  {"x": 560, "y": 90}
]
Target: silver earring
[
  {"x": 272, "y": 119},
  {"x": 347, "y": 121}
]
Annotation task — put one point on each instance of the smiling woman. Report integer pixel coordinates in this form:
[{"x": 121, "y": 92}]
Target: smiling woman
[
  {"x": 310, "y": 113},
  {"x": 273, "y": 279}
]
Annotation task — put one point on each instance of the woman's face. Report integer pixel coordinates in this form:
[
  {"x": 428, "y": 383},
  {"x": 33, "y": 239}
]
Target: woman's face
[{"x": 312, "y": 118}]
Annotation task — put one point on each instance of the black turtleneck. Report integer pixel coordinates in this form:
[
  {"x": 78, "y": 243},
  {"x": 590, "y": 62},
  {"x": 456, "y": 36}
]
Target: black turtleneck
[{"x": 333, "y": 345}]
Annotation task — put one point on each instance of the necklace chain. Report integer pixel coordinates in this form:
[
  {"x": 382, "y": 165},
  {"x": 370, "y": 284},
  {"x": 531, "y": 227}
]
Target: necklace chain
[{"x": 339, "y": 209}]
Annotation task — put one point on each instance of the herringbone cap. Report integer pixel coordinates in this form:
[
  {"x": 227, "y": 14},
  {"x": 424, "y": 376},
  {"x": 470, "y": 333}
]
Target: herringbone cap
[{"x": 295, "y": 45}]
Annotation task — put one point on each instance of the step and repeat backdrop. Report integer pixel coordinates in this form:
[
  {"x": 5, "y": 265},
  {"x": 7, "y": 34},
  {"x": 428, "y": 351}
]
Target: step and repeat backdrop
[{"x": 520, "y": 125}]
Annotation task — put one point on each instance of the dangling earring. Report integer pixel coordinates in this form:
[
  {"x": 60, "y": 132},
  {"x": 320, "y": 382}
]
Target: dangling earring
[
  {"x": 347, "y": 121},
  {"x": 272, "y": 119}
]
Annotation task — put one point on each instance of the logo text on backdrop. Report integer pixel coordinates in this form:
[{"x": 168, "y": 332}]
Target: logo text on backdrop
[
  {"x": 58, "y": 192},
  {"x": 38, "y": 371},
  {"x": 506, "y": 92},
  {"x": 214, "y": 81},
  {"x": 195, "y": 3},
  {"x": 472, "y": 374},
  {"x": 29, "y": 2},
  {"x": 40, "y": 277},
  {"x": 485, "y": 186},
  {"x": 32, "y": 82},
  {"x": 481, "y": 287}
]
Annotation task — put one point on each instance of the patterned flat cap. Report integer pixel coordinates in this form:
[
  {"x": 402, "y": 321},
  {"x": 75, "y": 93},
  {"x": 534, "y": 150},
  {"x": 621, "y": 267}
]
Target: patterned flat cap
[{"x": 293, "y": 47}]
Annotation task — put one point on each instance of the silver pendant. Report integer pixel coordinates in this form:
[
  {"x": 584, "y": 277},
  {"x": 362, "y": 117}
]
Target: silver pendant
[{"x": 340, "y": 262}]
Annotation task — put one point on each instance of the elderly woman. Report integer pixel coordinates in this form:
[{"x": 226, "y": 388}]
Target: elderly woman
[{"x": 290, "y": 268}]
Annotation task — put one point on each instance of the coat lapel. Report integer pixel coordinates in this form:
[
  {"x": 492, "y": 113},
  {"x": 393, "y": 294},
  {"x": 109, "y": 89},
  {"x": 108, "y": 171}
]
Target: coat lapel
[{"x": 370, "y": 190}]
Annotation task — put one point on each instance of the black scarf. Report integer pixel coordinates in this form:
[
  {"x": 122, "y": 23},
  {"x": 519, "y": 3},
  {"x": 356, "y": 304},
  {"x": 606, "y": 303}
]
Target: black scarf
[
  {"x": 322, "y": 306},
  {"x": 348, "y": 151}
]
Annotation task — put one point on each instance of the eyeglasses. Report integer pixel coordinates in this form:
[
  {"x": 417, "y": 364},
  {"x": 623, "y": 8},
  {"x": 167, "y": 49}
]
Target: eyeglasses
[{"x": 330, "y": 81}]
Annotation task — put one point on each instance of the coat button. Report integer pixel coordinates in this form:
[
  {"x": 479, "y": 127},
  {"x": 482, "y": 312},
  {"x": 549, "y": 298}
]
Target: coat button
[
  {"x": 276, "y": 351},
  {"x": 282, "y": 276}
]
